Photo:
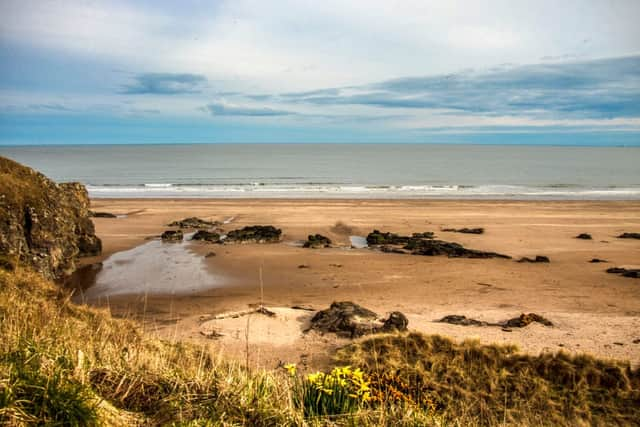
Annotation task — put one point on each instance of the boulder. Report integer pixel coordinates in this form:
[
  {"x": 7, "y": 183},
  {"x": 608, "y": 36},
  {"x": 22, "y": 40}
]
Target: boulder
[
  {"x": 43, "y": 225},
  {"x": 351, "y": 320},
  {"x": 172, "y": 236},
  {"x": 194, "y": 222},
  {"x": 595, "y": 260},
  {"x": 254, "y": 234},
  {"x": 317, "y": 241},
  {"x": 207, "y": 236},
  {"x": 584, "y": 236}
]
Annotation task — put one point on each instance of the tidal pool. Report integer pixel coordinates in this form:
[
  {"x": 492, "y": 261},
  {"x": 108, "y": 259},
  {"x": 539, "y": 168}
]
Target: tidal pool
[{"x": 153, "y": 268}]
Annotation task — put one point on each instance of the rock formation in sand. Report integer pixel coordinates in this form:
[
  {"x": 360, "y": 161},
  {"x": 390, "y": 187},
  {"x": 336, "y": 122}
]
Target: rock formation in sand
[
  {"x": 317, "y": 241},
  {"x": 195, "y": 223},
  {"x": 351, "y": 320},
  {"x": 207, "y": 236},
  {"x": 424, "y": 244},
  {"x": 254, "y": 234},
  {"x": 172, "y": 236},
  {"x": 465, "y": 230},
  {"x": 43, "y": 225}
]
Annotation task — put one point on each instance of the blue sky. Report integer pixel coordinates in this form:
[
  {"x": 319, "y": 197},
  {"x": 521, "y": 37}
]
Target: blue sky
[{"x": 534, "y": 72}]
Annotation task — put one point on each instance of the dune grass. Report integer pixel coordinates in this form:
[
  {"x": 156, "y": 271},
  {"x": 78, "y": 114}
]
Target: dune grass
[{"x": 64, "y": 364}]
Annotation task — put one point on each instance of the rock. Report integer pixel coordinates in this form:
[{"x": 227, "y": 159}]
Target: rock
[
  {"x": 424, "y": 244},
  {"x": 379, "y": 238},
  {"x": 392, "y": 250},
  {"x": 304, "y": 266},
  {"x": 478, "y": 230},
  {"x": 102, "y": 215},
  {"x": 456, "y": 319},
  {"x": 624, "y": 272},
  {"x": 207, "y": 236},
  {"x": 254, "y": 234},
  {"x": 594, "y": 260},
  {"x": 210, "y": 254},
  {"x": 351, "y": 320},
  {"x": 584, "y": 236},
  {"x": 430, "y": 247},
  {"x": 525, "y": 320},
  {"x": 43, "y": 225},
  {"x": 172, "y": 236},
  {"x": 194, "y": 222},
  {"x": 317, "y": 241},
  {"x": 538, "y": 258},
  {"x": 629, "y": 236},
  {"x": 517, "y": 322},
  {"x": 396, "y": 322}
]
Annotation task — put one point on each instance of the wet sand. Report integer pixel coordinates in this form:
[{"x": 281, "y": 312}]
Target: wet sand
[{"x": 593, "y": 311}]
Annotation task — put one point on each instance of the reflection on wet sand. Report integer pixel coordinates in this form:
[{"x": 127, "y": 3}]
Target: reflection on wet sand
[{"x": 153, "y": 268}]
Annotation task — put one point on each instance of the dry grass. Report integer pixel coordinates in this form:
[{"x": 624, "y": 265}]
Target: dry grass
[
  {"x": 492, "y": 385},
  {"x": 63, "y": 364}
]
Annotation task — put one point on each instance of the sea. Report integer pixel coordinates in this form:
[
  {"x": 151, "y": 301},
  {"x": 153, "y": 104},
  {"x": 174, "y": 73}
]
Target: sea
[{"x": 378, "y": 171}]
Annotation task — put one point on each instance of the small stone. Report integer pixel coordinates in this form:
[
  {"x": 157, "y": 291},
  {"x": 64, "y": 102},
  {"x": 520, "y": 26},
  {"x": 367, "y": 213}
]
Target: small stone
[{"x": 584, "y": 236}]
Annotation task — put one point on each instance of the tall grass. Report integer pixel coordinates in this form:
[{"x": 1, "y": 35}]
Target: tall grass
[{"x": 64, "y": 364}]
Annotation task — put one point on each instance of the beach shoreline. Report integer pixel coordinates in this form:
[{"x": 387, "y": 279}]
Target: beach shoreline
[{"x": 592, "y": 311}]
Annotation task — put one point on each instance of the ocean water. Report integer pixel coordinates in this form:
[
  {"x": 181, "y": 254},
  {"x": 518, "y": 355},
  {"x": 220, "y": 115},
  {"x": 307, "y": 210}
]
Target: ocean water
[{"x": 341, "y": 170}]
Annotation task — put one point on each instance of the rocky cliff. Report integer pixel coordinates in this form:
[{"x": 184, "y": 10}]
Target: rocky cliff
[{"x": 43, "y": 225}]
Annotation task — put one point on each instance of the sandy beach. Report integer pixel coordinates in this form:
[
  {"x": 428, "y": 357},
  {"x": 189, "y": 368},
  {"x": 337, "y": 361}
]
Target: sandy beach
[{"x": 592, "y": 311}]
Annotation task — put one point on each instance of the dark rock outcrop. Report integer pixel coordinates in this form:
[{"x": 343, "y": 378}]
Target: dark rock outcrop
[
  {"x": 525, "y": 320},
  {"x": 465, "y": 230},
  {"x": 517, "y": 322},
  {"x": 453, "y": 250},
  {"x": 317, "y": 241},
  {"x": 424, "y": 244},
  {"x": 102, "y": 215},
  {"x": 172, "y": 236},
  {"x": 457, "y": 319},
  {"x": 629, "y": 236},
  {"x": 595, "y": 260},
  {"x": 194, "y": 222},
  {"x": 351, "y": 320},
  {"x": 377, "y": 237},
  {"x": 207, "y": 236},
  {"x": 625, "y": 272},
  {"x": 43, "y": 225},
  {"x": 584, "y": 236},
  {"x": 538, "y": 258},
  {"x": 254, "y": 234}
]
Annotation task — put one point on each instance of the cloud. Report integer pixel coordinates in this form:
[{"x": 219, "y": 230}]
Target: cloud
[
  {"x": 604, "y": 88},
  {"x": 166, "y": 84},
  {"x": 224, "y": 109}
]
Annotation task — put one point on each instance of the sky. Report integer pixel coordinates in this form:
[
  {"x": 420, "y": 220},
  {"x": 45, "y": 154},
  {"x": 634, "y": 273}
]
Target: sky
[{"x": 159, "y": 71}]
